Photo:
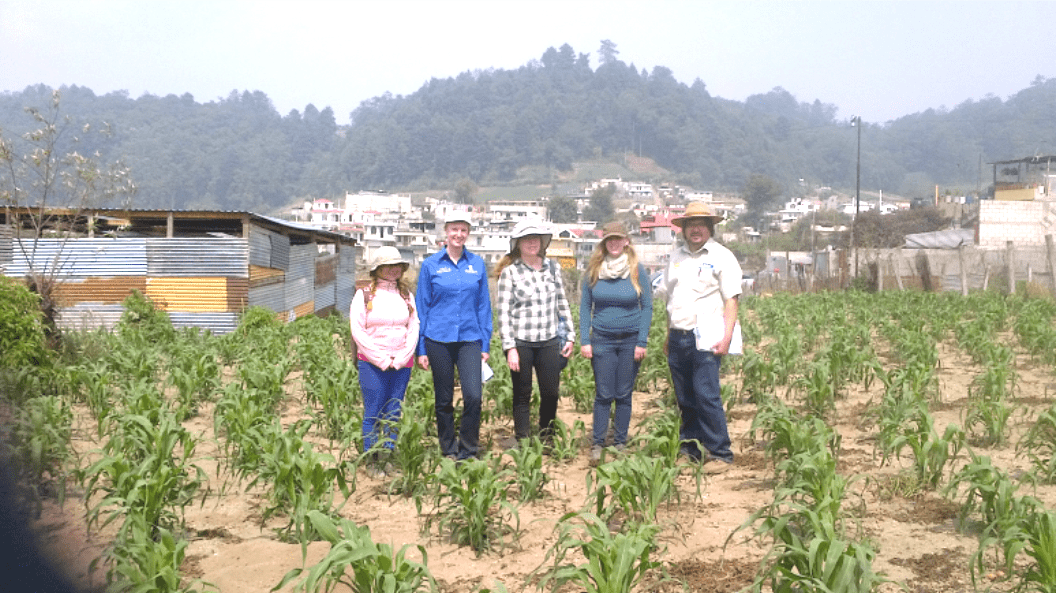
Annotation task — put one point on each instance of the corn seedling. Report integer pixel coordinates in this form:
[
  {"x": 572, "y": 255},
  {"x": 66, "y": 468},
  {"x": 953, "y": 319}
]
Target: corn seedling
[
  {"x": 990, "y": 492},
  {"x": 1039, "y": 445},
  {"x": 375, "y": 568},
  {"x": 301, "y": 480},
  {"x": 633, "y": 484},
  {"x": 615, "y": 562},
  {"x": 528, "y": 464},
  {"x": 1033, "y": 535},
  {"x": 145, "y": 472},
  {"x": 40, "y": 443},
  {"x": 472, "y": 504}
]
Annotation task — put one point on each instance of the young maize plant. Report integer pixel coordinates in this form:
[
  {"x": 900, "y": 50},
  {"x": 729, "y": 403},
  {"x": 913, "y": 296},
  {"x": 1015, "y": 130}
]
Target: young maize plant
[
  {"x": 1039, "y": 445},
  {"x": 615, "y": 562},
  {"x": 472, "y": 505},
  {"x": 528, "y": 467},
  {"x": 40, "y": 448},
  {"x": 635, "y": 485},
  {"x": 374, "y": 567}
]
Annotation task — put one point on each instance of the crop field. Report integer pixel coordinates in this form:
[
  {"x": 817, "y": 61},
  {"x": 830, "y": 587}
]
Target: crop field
[{"x": 884, "y": 442}]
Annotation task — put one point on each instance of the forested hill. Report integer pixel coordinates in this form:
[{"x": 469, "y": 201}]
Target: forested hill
[{"x": 529, "y": 125}]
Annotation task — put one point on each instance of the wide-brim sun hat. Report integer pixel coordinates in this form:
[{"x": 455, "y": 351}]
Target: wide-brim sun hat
[
  {"x": 527, "y": 228},
  {"x": 613, "y": 229},
  {"x": 387, "y": 256},
  {"x": 459, "y": 216},
  {"x": 697, "y": 210}
]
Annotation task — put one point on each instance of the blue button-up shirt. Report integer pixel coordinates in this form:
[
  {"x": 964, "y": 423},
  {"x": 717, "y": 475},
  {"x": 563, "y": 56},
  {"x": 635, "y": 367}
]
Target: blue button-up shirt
[{"x": 453, "y": 301}]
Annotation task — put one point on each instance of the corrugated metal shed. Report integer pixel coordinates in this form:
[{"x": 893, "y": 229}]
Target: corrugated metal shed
[
  {"x": 203, "y": 267},
  {"x": 346, "y": 280},
  {"x": 198, "y": 257},
  {"x": 89, "y": 316},
  {"x": 217, "y": 323},
  {"x": 325, "y": 296},
  {"x": 300, "y": 282},
  {"x": 270, "y": 296},
  {"x": 5, "y": 247},
  {"x": 79, "y": 258}
]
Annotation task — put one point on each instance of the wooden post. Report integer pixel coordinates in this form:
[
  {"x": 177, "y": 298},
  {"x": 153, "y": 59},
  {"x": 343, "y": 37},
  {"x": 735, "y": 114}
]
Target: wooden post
[
  {"x": 1051, "y": 251},
  {"x": 1010, "y": 261},
  {"x": 986, "y": 277},
  {"x": 896, "y": 267},
  {"x": 879, "y": 273},
  {"x": 964, "y": 271}
]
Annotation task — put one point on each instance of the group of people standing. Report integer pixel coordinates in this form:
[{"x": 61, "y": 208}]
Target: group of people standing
[{"x": 447, "y": 325}]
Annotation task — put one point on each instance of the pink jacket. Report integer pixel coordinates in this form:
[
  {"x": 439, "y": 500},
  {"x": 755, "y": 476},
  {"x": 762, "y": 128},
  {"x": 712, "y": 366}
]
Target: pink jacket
[{"x": 387, "y": 335}]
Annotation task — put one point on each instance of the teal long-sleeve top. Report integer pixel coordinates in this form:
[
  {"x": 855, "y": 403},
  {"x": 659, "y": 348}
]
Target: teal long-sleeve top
[{"x": 613, "y": 306}]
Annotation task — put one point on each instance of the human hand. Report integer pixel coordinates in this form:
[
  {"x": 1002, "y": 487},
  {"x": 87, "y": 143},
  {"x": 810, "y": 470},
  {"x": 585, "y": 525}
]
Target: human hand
[
  {"x": 484, "y": 356},
  {"x": 513, "y": 360},
  {"x": 639, "y": 353},
  {"x": 423, "y": 361},
  {"x": 587, "y": 351},
  {"x": 566, "y": 351}
]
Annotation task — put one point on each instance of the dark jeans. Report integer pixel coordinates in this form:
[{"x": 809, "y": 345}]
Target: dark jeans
[
  {"x": 443, "y": 358},
  {"x": 614, "y": 373},
  {"x": 383, "y": 393},
  {"x": 545, "y": 358},
  {"x": 695, "y": 378}
]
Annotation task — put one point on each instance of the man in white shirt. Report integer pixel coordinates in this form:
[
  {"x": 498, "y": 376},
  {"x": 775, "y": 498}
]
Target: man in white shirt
[{"x": 703, "y": 282}]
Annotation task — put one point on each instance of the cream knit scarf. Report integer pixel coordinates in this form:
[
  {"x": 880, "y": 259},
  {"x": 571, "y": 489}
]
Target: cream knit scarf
[{"x": 614, "y": 267}]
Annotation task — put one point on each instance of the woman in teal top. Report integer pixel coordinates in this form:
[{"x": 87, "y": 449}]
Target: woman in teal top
[{"x": 615, "y": 312}]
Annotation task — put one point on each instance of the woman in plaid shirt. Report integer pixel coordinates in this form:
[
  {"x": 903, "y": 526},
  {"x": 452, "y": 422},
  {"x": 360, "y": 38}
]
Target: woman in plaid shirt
[{"x": 531, "y": 300}]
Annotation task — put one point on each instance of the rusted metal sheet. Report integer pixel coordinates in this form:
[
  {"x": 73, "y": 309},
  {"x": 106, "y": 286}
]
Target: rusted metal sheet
[
  {"x": 79, "y": 258},
  {"x": 198, "y": 256},
  {"x": 209, "y": 294},
  {"x": 70, "y": 292},
  {"x": 261, "y": 276},
  {"x": 302, "y": 310},
  {"x": 325, "y": 269}
]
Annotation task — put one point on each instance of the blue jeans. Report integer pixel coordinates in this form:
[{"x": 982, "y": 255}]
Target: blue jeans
[
  {"x": 695, "y": 378},
  {"x": 443, "y": 358},
  {"x": 383, "y": 393},
  {"x": 615, "y": 370}
]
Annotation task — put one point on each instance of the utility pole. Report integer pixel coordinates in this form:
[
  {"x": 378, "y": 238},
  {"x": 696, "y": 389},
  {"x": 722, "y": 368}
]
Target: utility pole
[{"x": 857, "y": 121}]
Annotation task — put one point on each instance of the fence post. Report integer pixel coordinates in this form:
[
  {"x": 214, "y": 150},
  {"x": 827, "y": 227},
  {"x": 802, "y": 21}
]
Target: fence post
[
  {"x": 1010, "y": 260},
  {"x": 896, "y": 267},
  {"x": 964, "y": 271},
  {"x": 1051, "y": 250}
]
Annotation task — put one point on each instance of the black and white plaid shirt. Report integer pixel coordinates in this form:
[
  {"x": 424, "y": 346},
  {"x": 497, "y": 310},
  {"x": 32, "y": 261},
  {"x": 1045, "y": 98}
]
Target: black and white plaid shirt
[{"x": 531, "y": 302}]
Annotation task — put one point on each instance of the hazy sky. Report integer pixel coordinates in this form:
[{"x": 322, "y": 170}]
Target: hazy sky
[{"x": 880, "y": 60}]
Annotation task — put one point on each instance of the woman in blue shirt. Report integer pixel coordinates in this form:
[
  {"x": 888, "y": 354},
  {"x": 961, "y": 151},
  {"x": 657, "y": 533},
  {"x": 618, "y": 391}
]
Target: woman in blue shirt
[
  {"x": 615, "y": 312},
  {"x": 454, "y": 310}
]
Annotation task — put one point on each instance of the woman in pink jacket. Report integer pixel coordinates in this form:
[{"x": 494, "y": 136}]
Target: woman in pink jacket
[{"x": 385, "y": 329}]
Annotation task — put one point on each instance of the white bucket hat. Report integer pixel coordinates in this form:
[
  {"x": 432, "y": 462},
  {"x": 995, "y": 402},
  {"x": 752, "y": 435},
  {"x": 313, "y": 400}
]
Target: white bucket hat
[
  {"x": 526, "y": 228},
  {"x": 459, "y": 216},
  {"x": 387, "y": 256}
]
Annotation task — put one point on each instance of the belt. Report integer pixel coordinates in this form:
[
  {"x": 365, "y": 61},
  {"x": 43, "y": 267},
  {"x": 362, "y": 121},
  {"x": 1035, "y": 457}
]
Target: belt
[{"x": 681, "y": 332}]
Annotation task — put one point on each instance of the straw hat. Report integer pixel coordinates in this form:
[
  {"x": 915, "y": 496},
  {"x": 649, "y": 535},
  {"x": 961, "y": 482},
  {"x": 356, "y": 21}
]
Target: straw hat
[
  {"x": 697, "y": 210},
  {"x": 613, "y": 229},
  {"x": 387, "y": 256},
  {"x": 526, "y": 228}
]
